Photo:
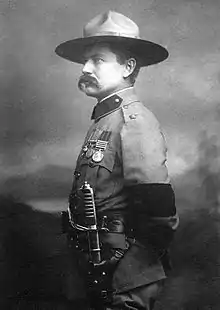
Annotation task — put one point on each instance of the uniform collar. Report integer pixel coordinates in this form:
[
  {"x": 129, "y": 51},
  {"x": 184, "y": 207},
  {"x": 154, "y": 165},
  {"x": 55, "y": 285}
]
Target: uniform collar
[{"x": 112, "y": 102}]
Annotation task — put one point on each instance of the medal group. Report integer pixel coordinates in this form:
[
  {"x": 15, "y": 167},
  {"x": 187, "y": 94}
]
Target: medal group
[{"x": 95, "y": 149}]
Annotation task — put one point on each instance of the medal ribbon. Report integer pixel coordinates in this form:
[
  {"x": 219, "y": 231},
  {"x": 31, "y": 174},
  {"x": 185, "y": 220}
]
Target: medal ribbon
[
  {"x": 101, "y": 146},
  {"x": 103, "y": 140}
]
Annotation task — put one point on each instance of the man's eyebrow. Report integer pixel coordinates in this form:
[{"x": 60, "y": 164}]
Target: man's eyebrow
[{"x": 92, "y": 55}]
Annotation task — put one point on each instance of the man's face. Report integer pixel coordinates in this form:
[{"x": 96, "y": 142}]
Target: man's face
[{"x": 102, "y": 73}]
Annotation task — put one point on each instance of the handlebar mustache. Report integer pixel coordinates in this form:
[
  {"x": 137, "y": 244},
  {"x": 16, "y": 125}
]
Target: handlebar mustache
[{"x": 87, "y": 79}]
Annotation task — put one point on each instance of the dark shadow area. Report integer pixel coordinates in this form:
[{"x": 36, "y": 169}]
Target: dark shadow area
[
  {"x": 194, "y": 283},
  {"x": 34, "y": 263},
  {"x": 33, "y": 258}
]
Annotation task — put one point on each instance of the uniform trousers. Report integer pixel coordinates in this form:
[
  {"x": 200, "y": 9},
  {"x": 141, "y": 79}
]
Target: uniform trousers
[{"x": 140, "y": 298}]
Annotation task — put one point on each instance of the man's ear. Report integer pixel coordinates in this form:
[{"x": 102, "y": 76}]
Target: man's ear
[{"x": 130, "y": 65}]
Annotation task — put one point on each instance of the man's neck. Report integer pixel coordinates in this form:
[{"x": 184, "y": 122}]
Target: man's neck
[{"x": 115, "y": 93}]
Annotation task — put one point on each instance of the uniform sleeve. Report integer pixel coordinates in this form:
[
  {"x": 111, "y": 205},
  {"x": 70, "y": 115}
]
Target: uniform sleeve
[
  {"x": 143, "y": 149},
  {"x": 153, "y": 211}
]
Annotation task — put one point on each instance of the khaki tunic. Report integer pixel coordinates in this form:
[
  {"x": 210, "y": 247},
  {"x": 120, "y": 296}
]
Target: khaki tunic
[{"x": 123, "y": 147}]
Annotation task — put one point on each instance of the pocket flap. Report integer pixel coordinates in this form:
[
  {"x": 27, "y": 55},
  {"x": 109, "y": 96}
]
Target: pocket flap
[{"x": 107, "y": 161}]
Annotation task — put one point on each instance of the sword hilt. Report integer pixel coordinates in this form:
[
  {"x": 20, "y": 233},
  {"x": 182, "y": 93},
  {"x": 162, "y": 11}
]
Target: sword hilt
[{"x": 91, "y": 223}]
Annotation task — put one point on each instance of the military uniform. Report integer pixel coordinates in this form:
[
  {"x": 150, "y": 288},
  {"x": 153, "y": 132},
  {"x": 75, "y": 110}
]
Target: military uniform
[
  {"x": 123, "y": 148},
  {"x": 123, "y": 159}
]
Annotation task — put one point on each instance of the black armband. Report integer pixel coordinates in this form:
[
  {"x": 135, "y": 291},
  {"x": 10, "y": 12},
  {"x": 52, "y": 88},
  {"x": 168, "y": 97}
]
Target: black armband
[
  {"x": 154, "y": 200},
  {"x": 152, "y": 214}
]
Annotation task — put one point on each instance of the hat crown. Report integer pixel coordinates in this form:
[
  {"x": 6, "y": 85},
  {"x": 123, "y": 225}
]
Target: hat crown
[{"x": 111, "y": 24}]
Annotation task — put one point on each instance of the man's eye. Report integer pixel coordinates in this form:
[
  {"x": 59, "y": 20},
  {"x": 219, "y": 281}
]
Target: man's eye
[{"x": 97, "y": 60}]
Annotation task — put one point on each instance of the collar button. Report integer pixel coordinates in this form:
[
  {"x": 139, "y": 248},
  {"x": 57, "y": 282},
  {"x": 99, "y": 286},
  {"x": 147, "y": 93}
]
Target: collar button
[{"x": 133, "y": 116}]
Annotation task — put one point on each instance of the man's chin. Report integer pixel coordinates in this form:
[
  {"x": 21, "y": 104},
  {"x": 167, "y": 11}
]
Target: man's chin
[{"x": 90, "y": 92}]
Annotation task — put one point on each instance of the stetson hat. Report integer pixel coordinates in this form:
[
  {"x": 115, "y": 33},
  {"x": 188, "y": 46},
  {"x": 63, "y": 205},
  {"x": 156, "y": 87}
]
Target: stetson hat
[{"x": 113, "y": 27}]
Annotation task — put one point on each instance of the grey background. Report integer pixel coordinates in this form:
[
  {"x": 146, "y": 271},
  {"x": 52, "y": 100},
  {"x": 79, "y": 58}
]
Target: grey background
[{"x": 44, "y": 117}]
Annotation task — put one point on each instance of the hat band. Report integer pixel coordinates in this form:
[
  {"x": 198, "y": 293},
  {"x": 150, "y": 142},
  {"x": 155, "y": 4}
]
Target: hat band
[{"x": 112, "y": 33}]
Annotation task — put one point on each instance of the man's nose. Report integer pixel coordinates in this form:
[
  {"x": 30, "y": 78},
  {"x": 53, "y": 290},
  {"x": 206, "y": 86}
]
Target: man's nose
[{"x": 87, "y": 67}]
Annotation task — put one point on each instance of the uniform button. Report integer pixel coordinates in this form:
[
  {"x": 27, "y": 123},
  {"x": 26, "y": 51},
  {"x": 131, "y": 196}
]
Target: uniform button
[
  {"x": 132, "y": 116},
  {"x": 125, "y": 106},
  {"x": 77, "y": 174},
  {"x": 117, "y": 100}
]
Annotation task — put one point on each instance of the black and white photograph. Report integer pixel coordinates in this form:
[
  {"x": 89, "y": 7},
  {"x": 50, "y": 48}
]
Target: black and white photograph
[{"x": 109, "y": 155}]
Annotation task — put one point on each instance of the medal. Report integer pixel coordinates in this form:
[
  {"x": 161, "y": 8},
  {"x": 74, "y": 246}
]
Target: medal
[
  {"x": 85, "y": 148},
  {"x": 89, "y": 153},
  {"x": 97, "y": 156}
]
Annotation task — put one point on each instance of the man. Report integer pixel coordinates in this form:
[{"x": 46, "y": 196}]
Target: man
[{"x": 123, "y": 160}]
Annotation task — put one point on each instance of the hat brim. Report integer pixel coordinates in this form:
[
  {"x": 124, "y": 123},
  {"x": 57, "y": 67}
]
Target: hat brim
[{"x": 147, "y": 52}]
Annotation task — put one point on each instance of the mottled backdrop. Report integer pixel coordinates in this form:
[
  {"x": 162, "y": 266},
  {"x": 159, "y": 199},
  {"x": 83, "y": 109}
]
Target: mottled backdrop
[{"x": 44, "y": 117}]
